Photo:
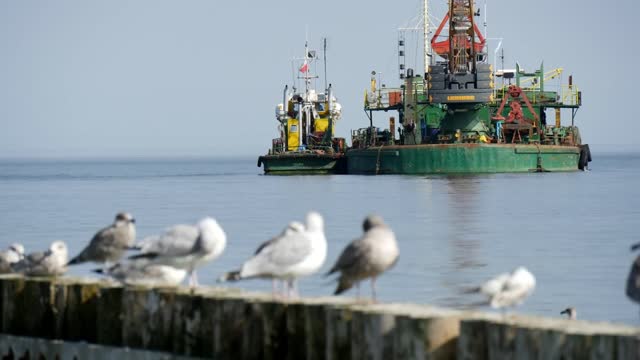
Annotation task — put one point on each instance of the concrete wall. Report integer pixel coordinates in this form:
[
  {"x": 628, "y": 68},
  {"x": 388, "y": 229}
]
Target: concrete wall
[
  {"x": 21, "y": 347},
  {"x": 230, "y": 324}
]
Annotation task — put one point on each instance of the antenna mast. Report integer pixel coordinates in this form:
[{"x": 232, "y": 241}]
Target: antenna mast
[
  {"x": 427, "y": 50},
  {"x": 325, "y": 61}
]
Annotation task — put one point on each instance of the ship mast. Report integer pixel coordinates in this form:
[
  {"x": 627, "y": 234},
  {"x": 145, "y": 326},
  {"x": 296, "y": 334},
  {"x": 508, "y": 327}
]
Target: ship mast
[
  {"x": 427, "y": 51},
  {"x": 305, "y": 107}
]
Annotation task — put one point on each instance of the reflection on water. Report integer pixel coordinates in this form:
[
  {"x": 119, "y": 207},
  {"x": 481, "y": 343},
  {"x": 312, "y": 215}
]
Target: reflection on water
[{"x": 464, "y": 214}]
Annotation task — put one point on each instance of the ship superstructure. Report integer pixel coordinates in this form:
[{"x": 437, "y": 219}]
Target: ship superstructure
[
  {"x": 454, "y": 119},
  {"x": 306, "y": 122}
]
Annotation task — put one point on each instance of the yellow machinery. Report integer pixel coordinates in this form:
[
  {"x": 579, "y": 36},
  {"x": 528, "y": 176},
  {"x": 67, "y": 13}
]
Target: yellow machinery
[{"x": 293, "y": 140}]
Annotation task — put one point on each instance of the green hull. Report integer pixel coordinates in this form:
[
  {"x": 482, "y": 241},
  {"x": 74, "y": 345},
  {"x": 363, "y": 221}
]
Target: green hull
[
  {"x": 462, "y": 159},
  {"x": 303, "y": 163}
]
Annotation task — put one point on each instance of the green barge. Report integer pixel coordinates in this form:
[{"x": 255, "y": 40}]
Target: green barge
[
  {"x": 462, "y": 159},
  {"x": 453, "y": 119}
]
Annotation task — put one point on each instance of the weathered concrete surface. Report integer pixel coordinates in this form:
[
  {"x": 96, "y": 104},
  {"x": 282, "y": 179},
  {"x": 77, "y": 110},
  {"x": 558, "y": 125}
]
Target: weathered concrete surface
[
  {"x": 232, "y": 324},
  {"x": 528, "y": 337},
  {"x": 37, "y": 348}
]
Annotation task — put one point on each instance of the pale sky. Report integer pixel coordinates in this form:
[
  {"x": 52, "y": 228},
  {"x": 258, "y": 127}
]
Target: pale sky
[{"x": 160, "y": 78}]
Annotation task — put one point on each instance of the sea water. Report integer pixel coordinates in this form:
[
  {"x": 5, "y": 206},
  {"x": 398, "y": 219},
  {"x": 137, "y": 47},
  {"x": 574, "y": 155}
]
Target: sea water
[{"x": 571, "y": 230}]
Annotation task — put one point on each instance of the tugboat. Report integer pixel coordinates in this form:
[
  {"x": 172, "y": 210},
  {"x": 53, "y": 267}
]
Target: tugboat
[
  {"x": 306, "y": 121},
  {"x": 452, "y": 119}
]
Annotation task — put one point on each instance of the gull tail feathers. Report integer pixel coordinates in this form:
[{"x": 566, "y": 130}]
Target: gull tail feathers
[
  {"x": 470, "y": 290},
  {"x": 230, "y": 276},
  {"x": 76, "y": 260},
  {"x": 343, "y": 285},
  {"x": 149, "y": 256}
]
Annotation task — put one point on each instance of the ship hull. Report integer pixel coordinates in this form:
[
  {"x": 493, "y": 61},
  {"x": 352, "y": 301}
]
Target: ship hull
[
  {"x": 303, "y": 163},
  {"x": 462, "y": 159}
]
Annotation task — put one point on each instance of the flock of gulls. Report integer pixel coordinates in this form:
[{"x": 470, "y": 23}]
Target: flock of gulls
[{"x": 298, "y": 251}]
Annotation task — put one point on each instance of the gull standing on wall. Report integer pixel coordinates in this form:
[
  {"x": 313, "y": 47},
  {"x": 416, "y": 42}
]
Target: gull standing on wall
[
  {"x": 375, "y": 252},
  {"x": 52, "y": 262},
  {"x": 294, "y": 227},
  {"x": 12, "y": 255},
  {"x": 140, "y": 272},
  {"x": 109, "y": 244},
  {"x": 297, "y": 252},
  {"x": 571, "y": 313},
  {"x": 633, "y": 280},
  {"x": 507, "y": 289},
  {"x": 185, "y": 246}
]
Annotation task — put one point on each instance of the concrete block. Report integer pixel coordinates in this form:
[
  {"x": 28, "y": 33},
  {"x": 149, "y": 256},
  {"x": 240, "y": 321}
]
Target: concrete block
[{"x": 110, "y": 316}]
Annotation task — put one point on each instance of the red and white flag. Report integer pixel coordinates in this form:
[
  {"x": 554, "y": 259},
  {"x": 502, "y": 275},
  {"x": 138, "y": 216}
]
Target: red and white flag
[{"x": 305, "y": 67}]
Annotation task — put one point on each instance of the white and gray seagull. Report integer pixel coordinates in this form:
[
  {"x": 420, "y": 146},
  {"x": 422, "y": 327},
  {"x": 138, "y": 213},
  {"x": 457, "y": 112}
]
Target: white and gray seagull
[
  {"x": 185, "y": 246},
  {"x": 297, "y": 252},
  {"x": 141, "y": 272},
  {"x": 52, "y": 262},
  {"x": 507, "y": 289},
  {"x": 109, "y": 244},
  {"x": 294, "y": 228},
  {"x": 633, "y": 280},
  {"x": 12, "y": 255},
  {"x": 375, "y": 252},
  {"x": 571, "y": 313}
]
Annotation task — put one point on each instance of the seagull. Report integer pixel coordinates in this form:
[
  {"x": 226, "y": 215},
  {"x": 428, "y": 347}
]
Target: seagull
[
  {"x": 571, "y": 312},
  {"x": 297, "y": 252},
  {"x": 633, "y": 280},
  {"x": 375, "y": 252},
  {"x": 294, "y": 228},
  {"x": 138, "y": 272},
  {"x": 12, "y": 255},
  {"x": 109, "y": 244},
  {"x": 508, "y": 289},
  {"x": 185, "y": 246},
  {"x": 49, "y": 263}
]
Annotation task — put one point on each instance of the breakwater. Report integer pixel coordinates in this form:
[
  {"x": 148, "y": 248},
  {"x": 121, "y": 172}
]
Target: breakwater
[{"x": 225, "y": 323}]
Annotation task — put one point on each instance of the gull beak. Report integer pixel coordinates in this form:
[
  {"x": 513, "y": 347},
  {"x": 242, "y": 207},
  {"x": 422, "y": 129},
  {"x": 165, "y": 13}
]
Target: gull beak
[
  {"x": 635, "y": 247},
  {"x": 133, "y": 221}
]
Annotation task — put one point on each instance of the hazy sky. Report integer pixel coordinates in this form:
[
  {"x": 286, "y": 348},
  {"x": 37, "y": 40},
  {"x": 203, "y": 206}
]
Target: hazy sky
[{"x": 202, "y": 78}]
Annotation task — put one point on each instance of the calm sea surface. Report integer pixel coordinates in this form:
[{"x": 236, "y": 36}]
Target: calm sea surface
[{"x": 572, "y": 230}]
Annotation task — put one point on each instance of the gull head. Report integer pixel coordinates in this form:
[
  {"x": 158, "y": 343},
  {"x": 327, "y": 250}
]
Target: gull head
[
  {"x": 59, "y": 253},
  {"x": 17, "y": 249},
  {"x": 523, "y": 277},
  {"x": 124, "y": 218},
  {"x": 58, "y": 247},
  {"x": 372, "y": 221},
  {"x": 212, "y": 237},
  {"x": 571, "y": 312},
  {"x": 314, "y": 222}
]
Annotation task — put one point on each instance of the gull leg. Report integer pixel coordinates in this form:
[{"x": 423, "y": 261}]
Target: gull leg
[
  {"x": 295, "y": 288},
  {"x": 274, "y": 287},
  {"x": 195, "y": 278},
  {"x": 373, "y": 289},
  {"x": 290, "y": 286},
  {"x": 358, "y": 291},
  {"x": 190, "y": 279}
]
